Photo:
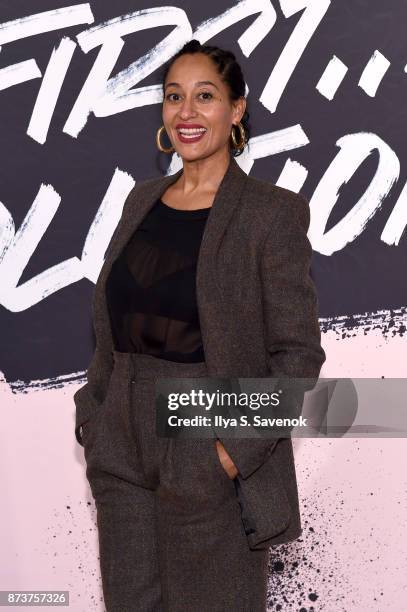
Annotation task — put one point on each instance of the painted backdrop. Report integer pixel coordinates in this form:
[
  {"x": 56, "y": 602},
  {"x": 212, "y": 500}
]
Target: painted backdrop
[{"x": 80, "y": 100}]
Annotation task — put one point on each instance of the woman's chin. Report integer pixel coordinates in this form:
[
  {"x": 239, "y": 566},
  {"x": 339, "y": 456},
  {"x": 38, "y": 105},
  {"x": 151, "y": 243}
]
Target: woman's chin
[{"x": 192, "y": 155}]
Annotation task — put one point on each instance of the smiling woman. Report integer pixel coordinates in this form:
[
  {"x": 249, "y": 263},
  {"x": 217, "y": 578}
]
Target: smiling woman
[
  {"x": 218, "y": 100},
  {"x": 207, "y": 276}
]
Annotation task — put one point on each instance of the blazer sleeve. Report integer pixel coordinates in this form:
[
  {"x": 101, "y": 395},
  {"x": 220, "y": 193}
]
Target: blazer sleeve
[
  {"x": 290, "y": 314},
  {"x": 90, "y": 396},
  {"x": 290, "y": 302}
]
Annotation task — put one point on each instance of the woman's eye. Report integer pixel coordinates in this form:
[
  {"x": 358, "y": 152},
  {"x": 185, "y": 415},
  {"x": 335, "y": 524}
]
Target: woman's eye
[
  {"x": 206, "y": 93},
  {"x": 207, "y": 96}
]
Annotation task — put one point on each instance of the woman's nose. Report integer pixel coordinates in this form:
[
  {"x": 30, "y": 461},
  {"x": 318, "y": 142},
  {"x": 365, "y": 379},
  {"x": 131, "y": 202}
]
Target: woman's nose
[{"x": 187, "y": 108}]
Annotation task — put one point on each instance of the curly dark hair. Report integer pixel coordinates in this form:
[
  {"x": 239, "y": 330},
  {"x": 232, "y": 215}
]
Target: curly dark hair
[{"x": 230, "y": 72}]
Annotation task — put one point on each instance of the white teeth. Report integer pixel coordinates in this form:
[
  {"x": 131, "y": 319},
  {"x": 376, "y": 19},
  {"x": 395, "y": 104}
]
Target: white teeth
[{"x": 192, "y": 131}]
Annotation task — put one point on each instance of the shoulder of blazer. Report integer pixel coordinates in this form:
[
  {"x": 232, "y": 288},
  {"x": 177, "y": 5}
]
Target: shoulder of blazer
[
  {"x": 141, "y": 187},
  {"x": 273, "y": 200},
  {"x": 138, "y": 189},
  {"x": 261, "y": 186}
]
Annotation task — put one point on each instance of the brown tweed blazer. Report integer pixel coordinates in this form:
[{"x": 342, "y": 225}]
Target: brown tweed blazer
[{"x": 259, "y": 318}]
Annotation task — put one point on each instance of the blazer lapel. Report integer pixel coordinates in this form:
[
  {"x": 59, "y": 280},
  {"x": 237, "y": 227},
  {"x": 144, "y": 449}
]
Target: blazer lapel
[
  {"x": 212, "y": 319},
  {"x": 207, "y": 289}
]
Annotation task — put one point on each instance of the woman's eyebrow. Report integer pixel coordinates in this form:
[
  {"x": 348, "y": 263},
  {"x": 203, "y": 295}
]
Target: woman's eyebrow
[{"x": 196, "y": 84}]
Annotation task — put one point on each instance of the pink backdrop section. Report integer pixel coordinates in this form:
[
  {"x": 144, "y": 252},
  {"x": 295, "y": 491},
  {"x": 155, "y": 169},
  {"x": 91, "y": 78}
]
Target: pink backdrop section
[{"x": 353, "y": 495}]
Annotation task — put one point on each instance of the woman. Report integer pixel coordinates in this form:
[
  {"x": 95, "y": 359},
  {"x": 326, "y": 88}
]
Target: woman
[{"x": 185, "y": 525}]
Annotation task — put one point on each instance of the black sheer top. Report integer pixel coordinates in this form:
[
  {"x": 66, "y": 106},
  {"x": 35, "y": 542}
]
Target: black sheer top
[{"x": 151, "y": 290}]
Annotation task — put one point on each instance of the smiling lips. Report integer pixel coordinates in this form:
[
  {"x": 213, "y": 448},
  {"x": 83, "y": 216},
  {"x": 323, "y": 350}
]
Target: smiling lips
[{"x": 191, "y": 133}]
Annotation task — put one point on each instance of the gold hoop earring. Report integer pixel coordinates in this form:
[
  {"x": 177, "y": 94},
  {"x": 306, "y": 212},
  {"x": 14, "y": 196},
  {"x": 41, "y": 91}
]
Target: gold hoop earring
[
  {"x": 158, "y": 141},
  {"x": 238, "y": 145}
]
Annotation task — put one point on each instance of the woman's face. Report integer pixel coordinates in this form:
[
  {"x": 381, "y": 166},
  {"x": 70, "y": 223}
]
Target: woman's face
[{"x": 195, "y": 98}]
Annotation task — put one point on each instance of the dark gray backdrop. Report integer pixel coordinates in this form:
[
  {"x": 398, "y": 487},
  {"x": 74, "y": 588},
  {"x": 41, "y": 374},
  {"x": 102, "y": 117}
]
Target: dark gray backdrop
[{"x": 54, "y": 337}]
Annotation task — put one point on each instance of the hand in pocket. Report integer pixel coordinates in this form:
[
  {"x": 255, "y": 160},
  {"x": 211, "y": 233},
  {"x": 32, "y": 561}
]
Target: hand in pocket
[
  {"x": 226, "y": 461},
  {"x": 84, "y": 430}
]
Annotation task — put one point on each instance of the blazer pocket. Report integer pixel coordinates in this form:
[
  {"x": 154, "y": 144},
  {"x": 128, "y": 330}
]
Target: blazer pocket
[
  {"x": 264, "y": 504},
  {"x": 89, "y": 422},
  {"x": 90, "y": 425}
]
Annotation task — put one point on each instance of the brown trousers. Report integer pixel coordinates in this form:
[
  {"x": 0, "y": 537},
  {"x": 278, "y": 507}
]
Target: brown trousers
[{"x": 171, "y": 535}]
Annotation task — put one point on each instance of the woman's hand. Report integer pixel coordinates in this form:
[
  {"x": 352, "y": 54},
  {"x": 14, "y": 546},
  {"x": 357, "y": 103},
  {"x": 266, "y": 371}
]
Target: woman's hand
[
  {"x": 227, "y": 463},
  {"x": 83, "y": 430}
]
